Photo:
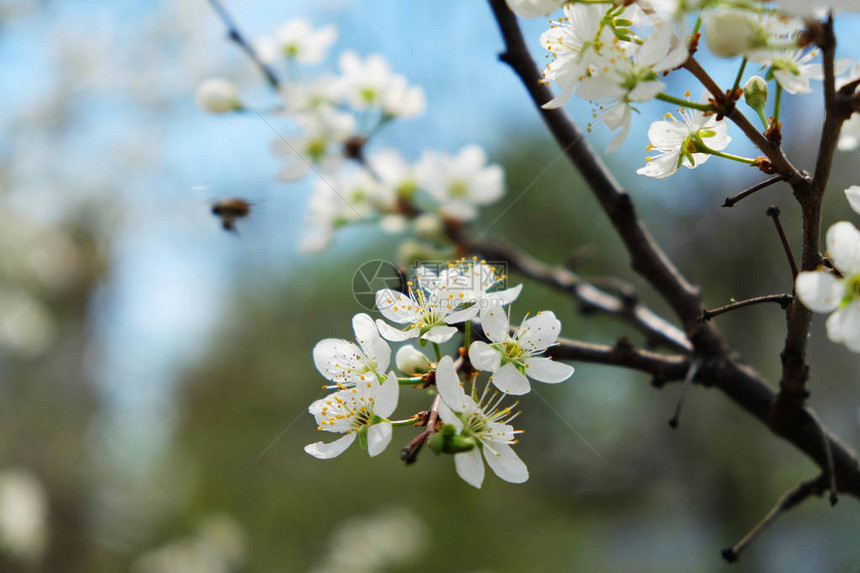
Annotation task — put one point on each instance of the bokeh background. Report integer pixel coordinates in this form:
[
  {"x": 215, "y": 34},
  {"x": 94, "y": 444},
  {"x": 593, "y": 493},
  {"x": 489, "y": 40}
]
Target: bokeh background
[{"x": 155, "y": 371}]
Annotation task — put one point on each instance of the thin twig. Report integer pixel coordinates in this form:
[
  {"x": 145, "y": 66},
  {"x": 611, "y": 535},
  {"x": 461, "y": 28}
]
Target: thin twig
[
  {"x": 688, "y": 381},
  {"x": 409, "y": 453},
  {"x": 782, "y": 299},
  {"x": 235, "y": 35},
  {"x": 773, "y": 213},
  {"x": 785, "y": 503},
  {"x": 730, "y": 201}
]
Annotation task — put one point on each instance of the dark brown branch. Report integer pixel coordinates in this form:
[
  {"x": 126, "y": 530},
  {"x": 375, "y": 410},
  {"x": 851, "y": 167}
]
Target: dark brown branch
[
  {"x": 786, "y": 502},
  {"x": 656, "y": 328},
  {"x": 782, "y": 299},
  {"x": 688, "y": 381},
  {"x": 773, "y": 213},
  {"x": 730, "y": 201},
  {"x": 235, "y": 35},
  {"x": 737, "y": 381},
  {"x": 666, "y": 368}
]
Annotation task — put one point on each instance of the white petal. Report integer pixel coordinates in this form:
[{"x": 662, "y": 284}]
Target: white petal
[
  {"x": 395, "y": 306},
  {"x": 378, "y": 438},
  {"x": 440, "y": 334},
  {"x": 661, "y": 166},
  {"x": 504, "y": 461},
  {"x": 459, "y": 316},
  {"x": 540, "y": 331},
  {"x": 368, "y": 337},
  {"x": 843, "y": 326},
  {"x": 484, "y": 357},
  {"x": 448, "y": 417},
  {"x": 386, "y": 395},
  {"x": 323, "y": 451},
  {"x": 819, "y": 291},
  {"x": 448, "y": 385},
  {"x": 510, "y": 380},
  {"x": 853, "y": 196},
  {"x": 561, "y": 99},
  {"x": 329, "y": 351},
  {"x": 494, "y": 321},
  {"x": 546, "y": 370},
  {"x": 843, "y": 246},
  {"x": 470, "y": 467},
  {"x": 503, "y": 297},
  {"x": 394, "y": 334}
]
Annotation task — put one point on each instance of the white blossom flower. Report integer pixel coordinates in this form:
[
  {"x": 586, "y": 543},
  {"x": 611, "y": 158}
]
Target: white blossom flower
[
  {"x": 514, "y": 359},
  {"x": 849, "y": 137},
  {"x": 347, "y": 364},
  {"x": 682, "y": 142},
  {"x": 425, "y": 314},
  {"x": 218, "y": 95},
  {"x": 321, "y": 142},
  {"x": 485, "y": 423},
  {"x": 349, "y": 197},
  {"x": 574, "y": 42},
  {"x": 394, "y": 172},
  {"x": 533, "y": 8},
  {"x": 361, "y": 412},
  {"x": 792, "y": 68},
  {"x": 732, "y": 32},
  {"x": 822, "y": 291},
  {"x": 471, "y": 282},
  {"x": 370, "y": 83},
  {"x": 623, "y": 81},
  {"x": 461, "y": 183},
  {"x": 298, "y": 40},
  {"x": 311, "y": 95}
]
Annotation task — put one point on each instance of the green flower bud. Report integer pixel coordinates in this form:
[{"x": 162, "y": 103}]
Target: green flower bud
[
  {"x": 755, "y": 93},
  {"x": 411, "y": 361}
]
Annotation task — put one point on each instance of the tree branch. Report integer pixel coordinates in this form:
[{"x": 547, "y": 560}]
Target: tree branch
[
  {"x": 235, "y": 35},
  {"x": 656, "y": 328},
  {"x": 791, "y": 499}
]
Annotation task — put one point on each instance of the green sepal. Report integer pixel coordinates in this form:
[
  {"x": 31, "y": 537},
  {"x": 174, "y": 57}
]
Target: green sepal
[{"x": 448, "y": 441}]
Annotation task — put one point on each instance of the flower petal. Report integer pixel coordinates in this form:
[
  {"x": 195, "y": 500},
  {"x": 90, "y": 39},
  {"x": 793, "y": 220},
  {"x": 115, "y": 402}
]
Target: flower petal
[
  {"x": 440, "y": 334},
  {"x": 843, "y": 326},
  {"x": 506, "y": 463},
  {"x": 546, "y": 370},
  {"x": 484, "y": 357},
  {"x": 386, "y": 395},
  {"x": 470, "y": 467},
  {"x": 449, "y": 386},
  {"x": 395, "y": 306},
  {"x": 540, "y": 331},
  {"x": 819, "y": 291},
  {"x": 394, "y": 334},
  {"x": 332, "y": 356},
  {"x": 510, "y": 380},
  {"x": 448, "y": 417},
  {"x": 843, "y": 245},
  {"x": 494, "y": 321},
  {"x": 378, "y": 438},
  {"x": 368, "y": 337},
  {"x": 853, "y": 196},
  {"x": 324, "y": 451}
]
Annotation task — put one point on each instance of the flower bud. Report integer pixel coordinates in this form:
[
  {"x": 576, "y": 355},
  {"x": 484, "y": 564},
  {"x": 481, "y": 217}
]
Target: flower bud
[
  {"x": 411, "y": 361},
  {"x": 218, "y": 96},
  {"x": 428, "y": 226},
  {"x": 755, "y": 93},
  {"x": 730, "y": 33}
]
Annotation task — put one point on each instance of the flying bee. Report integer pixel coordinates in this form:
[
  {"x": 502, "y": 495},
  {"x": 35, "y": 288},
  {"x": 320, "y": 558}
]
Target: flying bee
[{"x": 230, "y": 210}]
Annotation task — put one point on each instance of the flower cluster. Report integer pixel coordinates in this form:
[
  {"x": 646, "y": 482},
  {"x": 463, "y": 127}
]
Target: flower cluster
[
  {"x": 836, "y": 289},
  {"x": 615, "y": 55},
  {"x": 472, "y": 425},
  {"x": 335, "y": 117}
]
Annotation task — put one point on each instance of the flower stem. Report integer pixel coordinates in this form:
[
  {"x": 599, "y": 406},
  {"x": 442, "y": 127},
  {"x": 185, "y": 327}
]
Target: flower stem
[
  {"x": 697, "y": 26},
  {"x": 777, "y": 103},
  {"x": 410, "y": 380},
  {"x": 437, "y": 351},
  {"x": 407, "y": 422},
  {"x": 705, "y": 149},
  {"x": 684, "y": 103},
  {"x": 740, "y": 76}
]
